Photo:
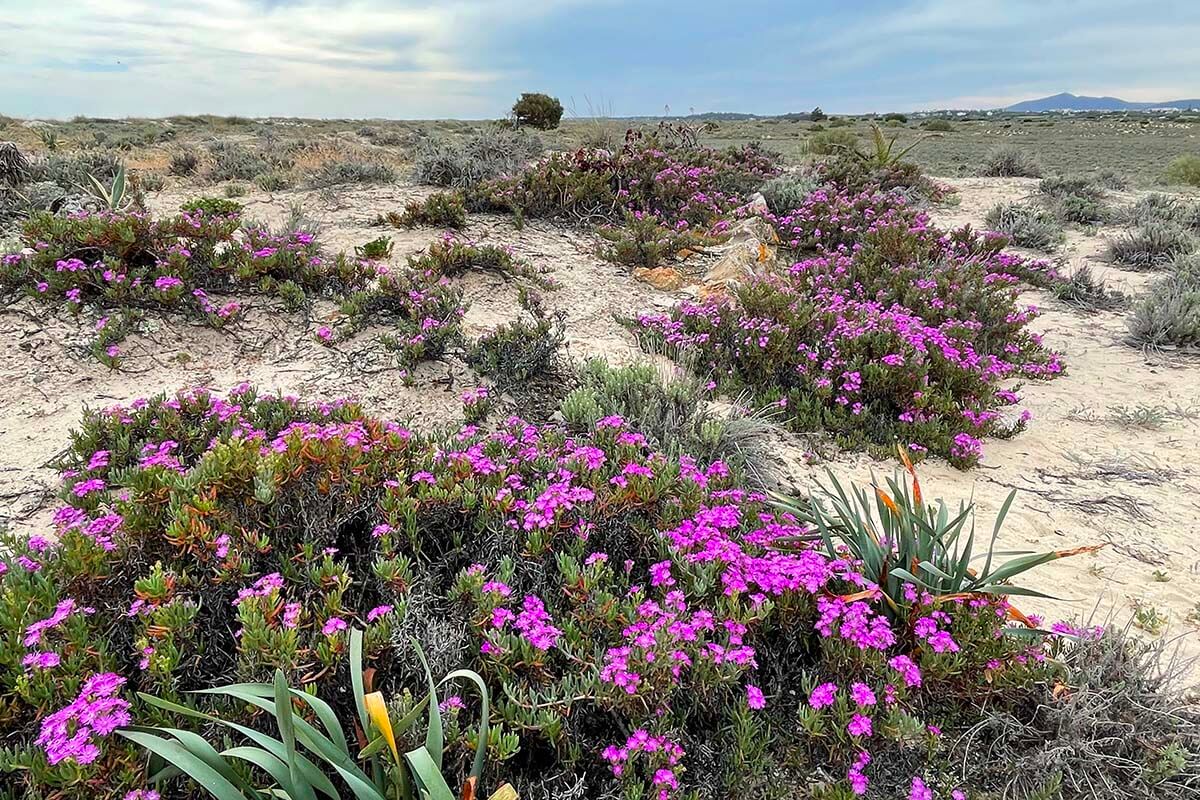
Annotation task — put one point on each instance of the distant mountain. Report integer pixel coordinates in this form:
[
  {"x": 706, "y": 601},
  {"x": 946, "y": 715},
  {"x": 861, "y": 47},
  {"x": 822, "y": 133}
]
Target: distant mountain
[{"x": 1073, "y": 102}]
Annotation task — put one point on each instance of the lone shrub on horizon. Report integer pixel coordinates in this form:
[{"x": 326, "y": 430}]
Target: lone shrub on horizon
[{"x": 538, "y": 110}]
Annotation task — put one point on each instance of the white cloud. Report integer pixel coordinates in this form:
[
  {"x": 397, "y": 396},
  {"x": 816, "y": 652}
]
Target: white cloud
[{"x": 347, "y": 58}]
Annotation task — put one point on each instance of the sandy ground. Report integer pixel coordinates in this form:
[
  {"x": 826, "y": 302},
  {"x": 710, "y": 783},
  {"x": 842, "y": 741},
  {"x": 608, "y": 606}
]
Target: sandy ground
[{"x": 1085, "y": 474}]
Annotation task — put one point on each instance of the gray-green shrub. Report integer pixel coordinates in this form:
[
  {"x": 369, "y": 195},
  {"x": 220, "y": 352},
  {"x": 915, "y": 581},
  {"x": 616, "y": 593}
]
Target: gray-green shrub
[
  {"x": 787, "y": 192},
  {"x": 1169, "y": 313},
  {"x": 337, "y": 173},
  {"x": 490, "y": 153},
  {"x": 1151, "y": 245},
  {"x": 1026, "y": 225}
]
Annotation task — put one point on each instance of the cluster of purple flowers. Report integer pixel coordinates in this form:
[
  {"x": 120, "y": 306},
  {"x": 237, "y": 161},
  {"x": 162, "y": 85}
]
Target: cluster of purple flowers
[{"x": 71, "y": 732}]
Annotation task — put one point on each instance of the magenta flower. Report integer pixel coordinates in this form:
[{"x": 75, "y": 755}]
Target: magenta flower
[
  {"x": 859, "y": 725},
  {"x": 754, "y": 697},
  {"x": 823, "y": 695}
]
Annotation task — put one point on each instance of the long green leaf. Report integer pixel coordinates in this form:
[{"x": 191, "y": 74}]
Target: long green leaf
[
  {"x": 434, "y": 740},
  {"x": 484, "y": 717},
  {"x": 287, "y": 731},
  {"x": 428, "y": 774},
  {"x": 313, "y": 775},
  {"x": 189, "y": 764},
  {"x": 268, "y": 763},
  {"x": 356, "y": 678}
]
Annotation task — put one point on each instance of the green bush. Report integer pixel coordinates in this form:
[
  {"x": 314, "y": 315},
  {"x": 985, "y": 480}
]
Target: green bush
[
  {"x": 522, "y": 352},
  {"x": 937, "y": 125},
  {"x": 831, "y": 142},
  {"x": 672, "y": 407},
  {"x": 1083, "y": 290},
  {"x": 538, "y": 110},
  {"x": 235, "y": 162},
  {"x": 184, "y": 163},
  {"x": 644, "y": 241},
  {"x": 1184, "y": 169},
  {"x": 439, "y": 210},
  {"x": 274, "y": 181},
  {"x": 1026, "y": 225},
  {"x": 895, "y": 117},
  {"x": 1010, "y": 161}
]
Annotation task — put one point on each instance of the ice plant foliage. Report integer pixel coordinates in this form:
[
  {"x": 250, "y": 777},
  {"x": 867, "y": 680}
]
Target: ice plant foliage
[
  {"x": 606, "y": 587},
  {"x": 884, "y": 329}
]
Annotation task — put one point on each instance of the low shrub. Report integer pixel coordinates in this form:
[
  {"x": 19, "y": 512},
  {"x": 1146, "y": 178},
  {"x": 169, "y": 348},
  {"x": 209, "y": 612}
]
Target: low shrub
[
  {"x": 124, "y": 262},
  {"x": 379, "y": 249},
  {"x": 1168, "y": 316},
  {"x": 184, "y": 163},
  {"x": 439, "y": 210},
  {"x": 645, "y": 625},
  {"x": 1151, "y": 245},
  {"x": 873, "y": 339},
  {"x": 274, "y": 181},
  {"x": 451, "y": 257},
  {"x": 235, "y": 162},
  {"x": 537, "y": 110},
  {"x": 339, "y": 173},
  {"x": 1084, "y": 291},
  {"x": 150, "y": 181},
  {"x": 672, "y": 407},
  {"x": 1184, "y": 169},
  {"x": 1026, "y": 225},
  {"x": 657, "y": 173},
  {"x": 524, "y": 351},
  {"x": 831, "y": 142},
  {"x": 422, "y": 310},
  {"x": 14, "y": 167},
  {"x": 491, "y": 153},
  {"x": 1060, "y": 186},
  {"x": 787, "y": 192},
  {"x": 937, "y": 125},
  {"x": 895, "y": 117},
  {"x": 1010, "y": 161},
  {"x": 1111, "y": 179},
  {"x": 73, "y": 171},
  {"x": 644, "y": 241},
  {"x": 1157, "y": 208}
]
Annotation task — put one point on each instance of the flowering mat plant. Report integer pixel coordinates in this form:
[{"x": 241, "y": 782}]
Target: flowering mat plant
[{"x": 646, "y": 624}]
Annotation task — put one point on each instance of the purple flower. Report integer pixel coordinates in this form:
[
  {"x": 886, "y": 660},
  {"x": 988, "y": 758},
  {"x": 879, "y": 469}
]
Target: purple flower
[
  {"x": 862, "y": 695},
  {"x": 70, "y": 732},
  {"x": 823, "y": 695},
  {"x": 859, "y": 725},
  {"x": 333, "y": 626},
  {"x": 378, "y": 611},
  {"x": 754, "y": 697}
]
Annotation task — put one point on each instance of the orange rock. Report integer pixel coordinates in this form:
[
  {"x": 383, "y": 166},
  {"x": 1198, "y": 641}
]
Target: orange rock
[{"x": 666, "y": 279}]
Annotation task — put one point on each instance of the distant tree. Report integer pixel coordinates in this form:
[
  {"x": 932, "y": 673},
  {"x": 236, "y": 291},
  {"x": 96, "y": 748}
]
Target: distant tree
[
  {"x": 538, "y": 110},
  {"x": 817, "y": 114}
]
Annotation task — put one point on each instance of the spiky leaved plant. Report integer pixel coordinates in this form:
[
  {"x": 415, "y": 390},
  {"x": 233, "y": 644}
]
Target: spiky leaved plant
[
  {"x": 900, "y": 539},
  {"x": 14, "y": 167},
  {"x": 291, "y": 760}
]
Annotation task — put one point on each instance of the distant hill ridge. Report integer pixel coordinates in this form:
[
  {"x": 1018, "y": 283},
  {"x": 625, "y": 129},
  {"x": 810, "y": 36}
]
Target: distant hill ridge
[{"x": 1073, "y": 102}]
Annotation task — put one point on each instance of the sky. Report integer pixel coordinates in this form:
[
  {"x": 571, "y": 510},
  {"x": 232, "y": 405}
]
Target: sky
[{"x": 469, "y": 59}]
